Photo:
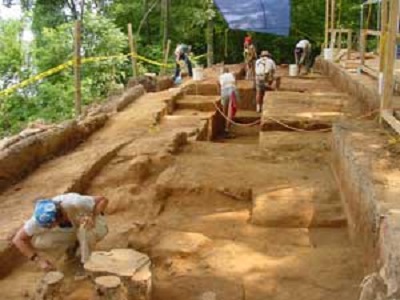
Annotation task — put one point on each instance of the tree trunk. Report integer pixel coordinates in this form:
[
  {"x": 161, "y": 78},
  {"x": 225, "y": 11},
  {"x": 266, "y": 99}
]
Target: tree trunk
[
  {"x": 210, "y": 34},
  {"x": 147, "y": 24},
  {"x": 166, "y": 13}
]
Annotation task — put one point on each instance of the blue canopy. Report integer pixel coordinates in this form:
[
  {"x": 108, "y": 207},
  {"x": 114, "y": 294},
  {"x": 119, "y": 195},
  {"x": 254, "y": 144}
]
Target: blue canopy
[{"x": 268, "y": 16}]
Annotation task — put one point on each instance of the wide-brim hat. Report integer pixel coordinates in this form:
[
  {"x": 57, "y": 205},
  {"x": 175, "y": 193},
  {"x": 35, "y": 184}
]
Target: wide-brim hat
[{"x": 265, "y": 53}]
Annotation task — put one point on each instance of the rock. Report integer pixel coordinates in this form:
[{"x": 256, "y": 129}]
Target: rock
[
  {"x": 132, "y": 267},
  {"x": 180, "y": 243},
  {"x": 49, "y": 288},
  {"x": 110, "y": 288}
]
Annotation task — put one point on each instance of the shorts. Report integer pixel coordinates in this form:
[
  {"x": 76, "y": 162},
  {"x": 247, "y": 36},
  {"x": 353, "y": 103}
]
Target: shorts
[{"x": 261, "y": 85}]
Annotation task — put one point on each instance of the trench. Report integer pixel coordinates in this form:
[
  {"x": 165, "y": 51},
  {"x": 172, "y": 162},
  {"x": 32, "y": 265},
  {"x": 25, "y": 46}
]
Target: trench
[{"x": 255, "y": 217}]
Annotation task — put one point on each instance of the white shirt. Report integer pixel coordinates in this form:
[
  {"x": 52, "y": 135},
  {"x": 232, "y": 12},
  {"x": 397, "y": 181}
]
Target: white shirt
[
  {"x": 75, "y": 205},
  {"x": 303, "y": 44},
  {"x": 267, "y": 63},
  {"x": 227, "y": 80}
]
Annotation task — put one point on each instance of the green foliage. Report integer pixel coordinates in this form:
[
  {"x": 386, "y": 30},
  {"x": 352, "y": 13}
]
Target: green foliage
[
  {"x": 11, "y": 54},
  {"x": 104, "y": 34}
]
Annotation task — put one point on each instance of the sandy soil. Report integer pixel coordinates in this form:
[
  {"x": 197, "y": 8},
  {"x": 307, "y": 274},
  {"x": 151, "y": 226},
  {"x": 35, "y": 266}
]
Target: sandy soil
[{"x": 189, "y": 206}]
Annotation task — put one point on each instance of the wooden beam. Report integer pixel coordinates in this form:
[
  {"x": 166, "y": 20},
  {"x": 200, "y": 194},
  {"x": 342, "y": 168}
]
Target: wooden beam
[
  {"x": 349, "y": 43},
  {"x": 326, "y": 42},
  {"x": 389, "y": 59},
  {"x": 363, "y": 45},
  {"x": 339, "y": 47},
  {"x": 340, "y": 30},
  {"x": 388, "y": 116},
  {"x": 372, "y": 32},
  {"x": 384, "y": 28},
  {"x": 371, "y": 72}
]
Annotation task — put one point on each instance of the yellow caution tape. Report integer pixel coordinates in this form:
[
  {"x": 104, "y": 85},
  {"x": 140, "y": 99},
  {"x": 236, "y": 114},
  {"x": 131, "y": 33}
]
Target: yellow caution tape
[{"x": 70, "y": 63}]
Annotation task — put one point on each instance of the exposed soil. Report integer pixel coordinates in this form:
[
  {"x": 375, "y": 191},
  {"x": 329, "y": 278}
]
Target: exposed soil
[{"x": 250, "y": 218}]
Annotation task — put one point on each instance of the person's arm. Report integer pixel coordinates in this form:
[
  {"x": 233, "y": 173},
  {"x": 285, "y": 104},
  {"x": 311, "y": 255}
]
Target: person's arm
[
  {"x": 23, "y": 242},
  {"x": 100, "y": 205}
]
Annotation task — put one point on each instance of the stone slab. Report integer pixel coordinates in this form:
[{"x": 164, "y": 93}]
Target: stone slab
[{"x": 119, "y": 262}]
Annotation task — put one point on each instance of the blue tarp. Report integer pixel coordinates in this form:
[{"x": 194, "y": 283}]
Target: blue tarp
[{"x": 268, "y": 16}]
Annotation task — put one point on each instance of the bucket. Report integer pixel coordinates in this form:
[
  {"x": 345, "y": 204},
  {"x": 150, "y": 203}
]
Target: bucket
[
  {"x": 328, "y": 54},
  {"x": 293, "y": 70},
  {"x": 198, "y": 74}
]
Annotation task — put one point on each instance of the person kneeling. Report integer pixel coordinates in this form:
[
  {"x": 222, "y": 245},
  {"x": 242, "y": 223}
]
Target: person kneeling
[{"x": 66, "y": 221}]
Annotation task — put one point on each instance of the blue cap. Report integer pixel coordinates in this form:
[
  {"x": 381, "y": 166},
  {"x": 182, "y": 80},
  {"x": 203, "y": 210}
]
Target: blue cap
[{"x": 45, "y": 212}]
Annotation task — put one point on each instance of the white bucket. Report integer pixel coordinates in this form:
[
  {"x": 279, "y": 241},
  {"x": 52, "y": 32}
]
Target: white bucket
[
  {"x": 293, "y": 70},
  {"x": 328, "y": 54},
  {"x": 198, "y": 74}
]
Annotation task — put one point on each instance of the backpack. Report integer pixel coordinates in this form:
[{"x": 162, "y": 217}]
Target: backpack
[{"x": 260, "y": 67}]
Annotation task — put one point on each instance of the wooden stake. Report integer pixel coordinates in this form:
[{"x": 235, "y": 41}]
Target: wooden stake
[
  {"x": 384, "y": 29},
  {"x": 132, "y": 47},
  {"x": 363, "y": 45},
  {"x": 166, "y": 55},
  {"x": 77, "y": 69},
  {"x": 326, "y": 42},
  {"x": 349, "y": 43},
  {"x": 340, "y": 41},
  {"x": 389, "y": 59}
]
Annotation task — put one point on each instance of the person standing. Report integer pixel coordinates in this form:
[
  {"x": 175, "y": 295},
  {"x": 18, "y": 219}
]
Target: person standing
[
  {"x": 265, "y": 70},
  {"x": 229, "y": 97},
  {"x": 250, "y": 57},
  {"x": 302, "y": 55}
]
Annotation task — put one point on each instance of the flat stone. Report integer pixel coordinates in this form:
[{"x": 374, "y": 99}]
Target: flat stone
[
  {"x": 181, "y": 243},
  {"x": 119, "y": 262}
]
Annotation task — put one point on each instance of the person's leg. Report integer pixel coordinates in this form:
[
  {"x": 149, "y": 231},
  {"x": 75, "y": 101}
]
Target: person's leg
[
  {"x": 177, "y": 70},
  {"x": 189, "y": 65},
  {"x": 89, "y": 237},
  {"x": 277, "y": 83},
  {"x": 260, "y": 95}
]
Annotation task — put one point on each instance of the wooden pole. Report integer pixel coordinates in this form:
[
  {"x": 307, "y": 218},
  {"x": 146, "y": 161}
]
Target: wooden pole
[
  {"x": 77, "y": 69},
  {"x": 333, "y": 13},
  {"x": 349, "y": 43},
  {"x": 340, "y": 41},
  {"x": 166, "y": 55},
  {"x": 326, "y": 42},
  {"x": 384, "y": 29},
  {"x": 363, "y": 42},
  {"x": 132, "y": 47},
  {"x": 389, "y": 59}
]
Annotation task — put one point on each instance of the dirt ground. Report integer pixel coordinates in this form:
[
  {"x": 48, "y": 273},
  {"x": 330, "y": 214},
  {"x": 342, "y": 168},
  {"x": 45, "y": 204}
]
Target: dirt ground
[{"x": 255, "y": 217}]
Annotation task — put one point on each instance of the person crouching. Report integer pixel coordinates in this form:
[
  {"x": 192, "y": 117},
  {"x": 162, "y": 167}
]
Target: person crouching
[
  {"x": 229, "y": 97},
  {"x": 66, "y": 221}
]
